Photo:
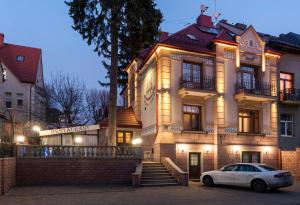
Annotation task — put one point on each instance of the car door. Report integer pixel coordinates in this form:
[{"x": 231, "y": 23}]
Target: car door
[
  {"x": 244, "y": 174},
  {"x": 227, "y": 175}
]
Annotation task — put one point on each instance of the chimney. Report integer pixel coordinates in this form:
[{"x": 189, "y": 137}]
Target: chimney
[
  {"x": 163, "y": 36},
  {"x": 204, "y": 20},
  {"x": 1, "y": 39}
]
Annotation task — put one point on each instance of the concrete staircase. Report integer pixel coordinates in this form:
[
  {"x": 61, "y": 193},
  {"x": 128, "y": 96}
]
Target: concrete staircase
[{"x": 155, "y": 174}]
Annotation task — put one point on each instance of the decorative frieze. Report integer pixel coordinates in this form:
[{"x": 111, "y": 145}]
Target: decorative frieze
[
  {"x": 150, "y": 130},
  {"x": 207, "y": 60}
]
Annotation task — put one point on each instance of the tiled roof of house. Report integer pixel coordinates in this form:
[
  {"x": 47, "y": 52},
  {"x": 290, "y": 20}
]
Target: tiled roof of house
[
  {"x": 125, "y": 119},
  {"x": 26, "y": 68}
]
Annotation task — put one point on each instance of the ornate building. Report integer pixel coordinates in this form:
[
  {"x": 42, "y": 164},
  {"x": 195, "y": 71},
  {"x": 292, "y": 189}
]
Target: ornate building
[{"x": 207, "y": 96}]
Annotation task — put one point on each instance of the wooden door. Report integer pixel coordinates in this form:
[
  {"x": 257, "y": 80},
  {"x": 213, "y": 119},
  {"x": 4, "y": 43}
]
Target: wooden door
[{"x": 194, "y": 165}]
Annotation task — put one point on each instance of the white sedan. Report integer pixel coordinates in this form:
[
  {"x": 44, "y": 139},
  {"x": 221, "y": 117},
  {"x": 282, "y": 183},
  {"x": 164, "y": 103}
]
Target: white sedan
[{"x": 258, "y": 177}]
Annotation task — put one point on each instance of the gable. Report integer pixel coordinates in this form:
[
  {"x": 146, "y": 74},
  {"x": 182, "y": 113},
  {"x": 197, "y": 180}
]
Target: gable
[{"x": 250, "y": 41}]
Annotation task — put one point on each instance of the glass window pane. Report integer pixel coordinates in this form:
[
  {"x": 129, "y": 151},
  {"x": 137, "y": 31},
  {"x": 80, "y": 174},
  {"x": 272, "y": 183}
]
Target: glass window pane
[
  {"x": 246, "y": 157},
  {"x": 289, "y": 128},
  {"x": 128, "y": 137},
  {"x": 282, "y": 128},
  {"x": 120, "y": 137}
]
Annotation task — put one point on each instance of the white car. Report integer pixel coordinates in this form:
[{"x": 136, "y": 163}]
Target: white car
[{"x": 258, "y": 177}]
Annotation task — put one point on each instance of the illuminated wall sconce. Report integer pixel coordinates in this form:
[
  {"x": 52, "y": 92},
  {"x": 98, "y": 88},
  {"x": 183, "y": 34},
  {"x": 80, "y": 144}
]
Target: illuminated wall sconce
[
  {"x": 182, "y": 148},
  {"x": 36, "y": 128},
  {"x": 267, "y": 150},
  {"x": 137, "y": 141},
  {"x": 207, "y": 148},
  {"x": 236, "y": 149},
  {"x": 221, "y": 95},
  {"x": 78, "y": 140},
  {"x": 20, "y": 139}
]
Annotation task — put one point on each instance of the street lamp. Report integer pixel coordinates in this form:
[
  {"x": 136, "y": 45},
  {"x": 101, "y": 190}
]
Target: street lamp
[{"x": 36, "y": 128}]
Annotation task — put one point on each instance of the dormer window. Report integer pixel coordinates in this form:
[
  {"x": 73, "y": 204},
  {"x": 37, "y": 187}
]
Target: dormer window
[
  {"x": 192, "y": 37},
  {"x": 20, "y": 58}
]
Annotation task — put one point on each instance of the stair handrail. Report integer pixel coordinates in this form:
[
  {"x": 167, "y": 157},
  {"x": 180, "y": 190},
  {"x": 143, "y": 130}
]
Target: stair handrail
[
  {"x": 181, "y": 176},
  {"x": 136, "y": 176}
]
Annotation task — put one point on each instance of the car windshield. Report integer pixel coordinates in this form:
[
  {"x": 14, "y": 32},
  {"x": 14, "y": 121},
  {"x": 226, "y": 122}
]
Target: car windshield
[{"x": 267, "y": 168}]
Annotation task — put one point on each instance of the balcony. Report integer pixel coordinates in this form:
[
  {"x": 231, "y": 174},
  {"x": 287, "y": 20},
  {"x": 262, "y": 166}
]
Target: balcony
[
  {"x": 255, "y": 91},
  {"x": 200, "y": 87},
  {"x": 290, "y": 96}
]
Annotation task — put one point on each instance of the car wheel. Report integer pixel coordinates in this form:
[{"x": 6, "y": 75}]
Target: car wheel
[
  {"x": 208, "y": 181},
  {"x": 259, "y": 185}
]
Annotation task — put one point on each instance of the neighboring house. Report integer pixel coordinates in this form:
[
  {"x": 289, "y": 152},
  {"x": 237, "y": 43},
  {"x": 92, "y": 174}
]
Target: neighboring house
[
  {"x": 206, "y": 96},
  {"x": 289, "y": 88},
  {"x": 22, "y": 96}
]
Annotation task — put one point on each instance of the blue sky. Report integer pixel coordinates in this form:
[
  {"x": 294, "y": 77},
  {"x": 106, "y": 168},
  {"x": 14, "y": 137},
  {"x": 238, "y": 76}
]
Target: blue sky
[{"x": 46, "y": 24}]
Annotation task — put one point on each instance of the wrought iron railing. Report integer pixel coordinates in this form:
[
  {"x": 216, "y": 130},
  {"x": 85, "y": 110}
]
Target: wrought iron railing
[
  {"x": 7, "y": 150},
  {"x": 290, "y": 94},
  {"x": 256, "y": 88},
  {"x": 107, "y": 152},
  {"x": 199, "y": 83}
]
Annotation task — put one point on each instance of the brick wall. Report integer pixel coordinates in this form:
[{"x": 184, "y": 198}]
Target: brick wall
[
  {"x": 56, "y": 171},
  {"x": 291, "y": 162},
  {"x": 7, "y": 174}
]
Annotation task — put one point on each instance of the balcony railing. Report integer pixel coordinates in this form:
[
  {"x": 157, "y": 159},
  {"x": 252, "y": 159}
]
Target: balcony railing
[
  {"x": 256, "y": 88},
  {"x": 290, "y": 95},
  {"x": 106, "y": 152},
  {"x": 199, "y": 83}
]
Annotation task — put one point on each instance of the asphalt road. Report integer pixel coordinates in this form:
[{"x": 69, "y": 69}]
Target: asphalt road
[{"x": 194, "y": 194}]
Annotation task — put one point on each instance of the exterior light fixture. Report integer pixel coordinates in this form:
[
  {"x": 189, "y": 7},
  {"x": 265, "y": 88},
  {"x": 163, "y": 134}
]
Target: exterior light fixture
[
  {"x": 182, "y": 148},
  {"x": 78, "y": 140},
  {"x": 236, "y": 149},
  {"x": 207, "y": 148},
  {"x": 137, "y": 141},
  {"x": 267, "y": 150},
  {"x": 20, "y": 139},
  {"x": 36, "y": 128}
]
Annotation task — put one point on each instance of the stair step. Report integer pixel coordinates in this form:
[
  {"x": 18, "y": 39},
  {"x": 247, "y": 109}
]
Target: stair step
[
  {"x": 154, "y": 169},
  {"x": 157, "y": 177},
  {"x": 156, "y": 174},
  {"x": 159, "y": 184},
  {"x": 158, "y": 181}
]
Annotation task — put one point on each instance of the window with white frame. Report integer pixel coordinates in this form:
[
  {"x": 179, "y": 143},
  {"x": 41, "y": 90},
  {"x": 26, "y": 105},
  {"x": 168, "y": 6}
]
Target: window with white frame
[
  {"x": 286, "y": 125},
  {"x": 8, "y": 100}
]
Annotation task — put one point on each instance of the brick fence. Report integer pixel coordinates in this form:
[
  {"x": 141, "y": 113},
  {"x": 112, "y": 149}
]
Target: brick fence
[
  {"x": 291, "y": 162},
  {"x": 61, "y": 171},
  {"x": 7, "y": 174}
]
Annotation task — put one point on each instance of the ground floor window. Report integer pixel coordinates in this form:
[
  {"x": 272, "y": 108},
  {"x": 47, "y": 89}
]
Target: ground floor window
[
  {"x": 286, "y": 125},
  {"x": 249, "y": 121},
  {"x": 251, "y": 157},
  {"x": 124, "y": 138},
  {"x": 192, "y": 117}
]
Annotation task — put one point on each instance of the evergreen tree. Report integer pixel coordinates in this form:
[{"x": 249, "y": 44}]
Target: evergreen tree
[{"x": 118, "y": 29}]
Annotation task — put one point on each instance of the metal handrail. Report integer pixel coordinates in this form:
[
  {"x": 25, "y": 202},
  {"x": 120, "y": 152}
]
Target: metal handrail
[
  {"x": 256, "y": 88},
  {"x": 200, "y": 83},
  {"x": 290, "y": 94}
]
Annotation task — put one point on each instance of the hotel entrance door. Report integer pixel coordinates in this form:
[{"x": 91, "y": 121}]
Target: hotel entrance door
[{"x": 194, "y": 165}]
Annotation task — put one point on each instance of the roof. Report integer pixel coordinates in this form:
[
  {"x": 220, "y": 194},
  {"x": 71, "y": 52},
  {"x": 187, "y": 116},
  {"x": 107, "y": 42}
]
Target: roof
[
  {"x": 125, "y": 119},
  {"x": 25, "y": 71}
]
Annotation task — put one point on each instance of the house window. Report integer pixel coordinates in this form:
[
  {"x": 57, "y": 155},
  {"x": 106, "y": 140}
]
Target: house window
[
  {"x": 191, "y": 72},
  {"x": 20, "y": 58},
  {"x": 191, "y": 117},
  {"x": 8, "y": 100},
  {"x": 286, "y": 81},
  {"x": 4, "y": 74},
  {"x": 247, "y": 77},
  {"x": 20, "y": 100},
  {"x": 248, "y": 121},
  {"x": 251, "y": 157},
  {"x": 124, "y": 138},
  {"x": 286, "y": 125}
]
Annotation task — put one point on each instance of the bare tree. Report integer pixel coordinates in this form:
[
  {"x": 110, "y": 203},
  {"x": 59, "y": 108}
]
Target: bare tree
[
  {"x": 66, "y": 94},
  {"x": 97, "y": 102}
]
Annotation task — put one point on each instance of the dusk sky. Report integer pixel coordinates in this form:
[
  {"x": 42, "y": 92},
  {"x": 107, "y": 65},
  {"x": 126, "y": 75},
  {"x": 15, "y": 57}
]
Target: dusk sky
[{"x": 47, "y": 25}]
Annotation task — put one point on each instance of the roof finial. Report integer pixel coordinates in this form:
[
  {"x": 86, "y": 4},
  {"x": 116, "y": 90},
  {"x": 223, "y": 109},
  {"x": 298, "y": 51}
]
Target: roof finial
[{"x": 203, "y": 8}]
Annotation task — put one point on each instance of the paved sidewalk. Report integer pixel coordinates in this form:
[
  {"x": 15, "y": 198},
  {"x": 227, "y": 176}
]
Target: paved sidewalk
[{"x": 194, "y": 194}]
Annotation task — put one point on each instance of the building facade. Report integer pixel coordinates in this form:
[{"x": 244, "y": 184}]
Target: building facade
[
  {"x": 22, "y": 96},
  {"x": 206, "y": 96}
]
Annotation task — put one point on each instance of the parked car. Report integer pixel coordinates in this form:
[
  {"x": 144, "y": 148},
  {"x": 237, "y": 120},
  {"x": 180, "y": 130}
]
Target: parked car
[{"x": 258, "y": 177}]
